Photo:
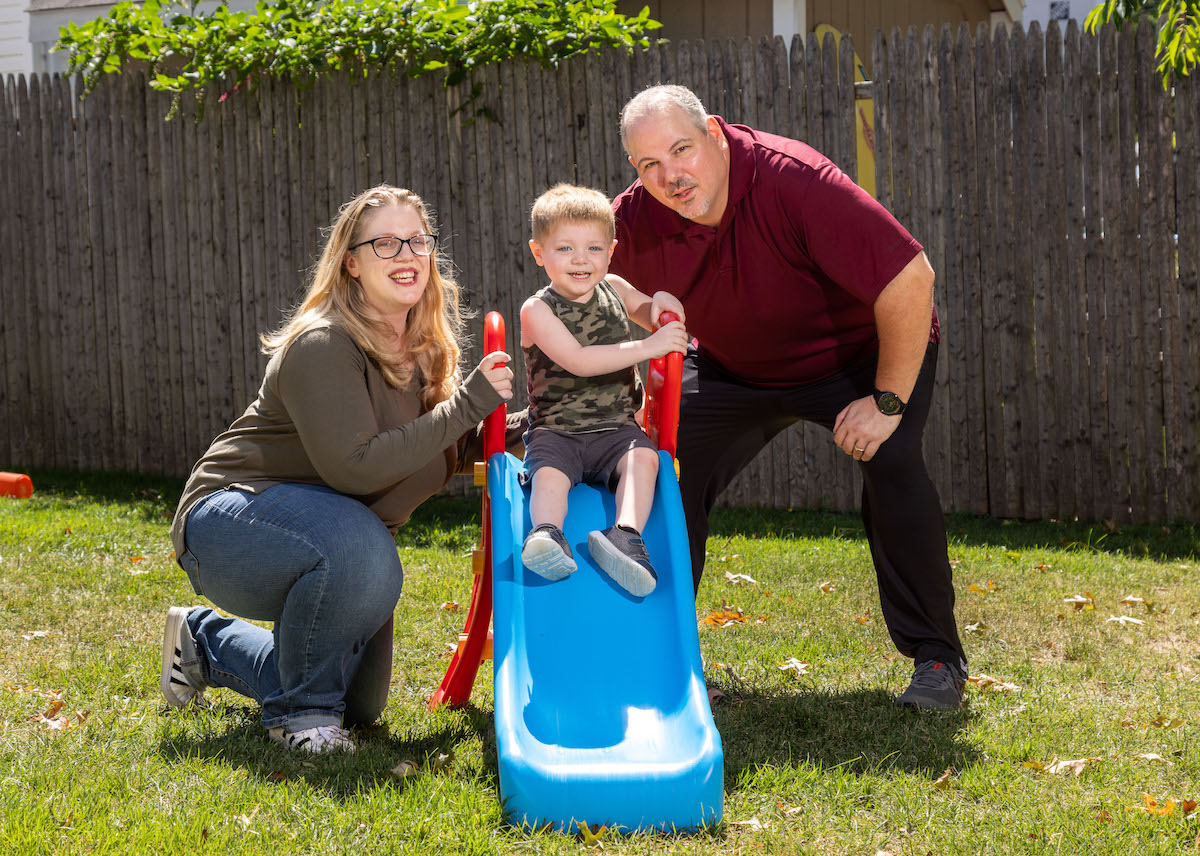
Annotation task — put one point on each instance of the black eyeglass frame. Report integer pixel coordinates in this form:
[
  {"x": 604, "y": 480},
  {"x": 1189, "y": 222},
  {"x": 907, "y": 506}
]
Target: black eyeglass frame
[{"x": 432, "y": 238}]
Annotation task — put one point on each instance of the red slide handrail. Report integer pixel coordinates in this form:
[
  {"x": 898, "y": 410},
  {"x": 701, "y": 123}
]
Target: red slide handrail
[
  {"x": 455, "y": 689},
  {"x": 663, "y": 388}
]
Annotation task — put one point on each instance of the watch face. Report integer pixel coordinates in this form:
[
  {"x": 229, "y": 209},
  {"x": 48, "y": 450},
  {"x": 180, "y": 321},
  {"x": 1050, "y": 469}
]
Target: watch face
[{"x": 890, "y": 403}]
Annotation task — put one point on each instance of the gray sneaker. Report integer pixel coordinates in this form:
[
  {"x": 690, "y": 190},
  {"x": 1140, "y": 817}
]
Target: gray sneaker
[
  {"x": 621, "y": 553},
  {"x": 317, "y": 741},
  {"x": 175, "y": 686},
  {"x": 935, "y": 685},
  {"x": 547, "y": 553}
]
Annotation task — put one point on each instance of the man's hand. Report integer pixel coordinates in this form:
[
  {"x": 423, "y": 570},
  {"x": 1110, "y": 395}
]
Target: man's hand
[
  {"x": 665, "y": 302},
  {"x": 860, "y": 429}
]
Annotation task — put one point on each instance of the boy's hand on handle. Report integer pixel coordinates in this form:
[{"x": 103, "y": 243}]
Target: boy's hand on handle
[
  {"x": 663, "y": 301},
  {"x": 671, "y": 338},
  {"x": 495, "y": 368}
]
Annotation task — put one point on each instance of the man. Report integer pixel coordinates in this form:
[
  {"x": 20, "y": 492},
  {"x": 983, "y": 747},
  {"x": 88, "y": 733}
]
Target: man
[{"x": 808, "y": 301}]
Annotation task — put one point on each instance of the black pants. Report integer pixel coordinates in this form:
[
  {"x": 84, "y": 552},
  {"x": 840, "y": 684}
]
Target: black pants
[{"x": 723, "y": 424}]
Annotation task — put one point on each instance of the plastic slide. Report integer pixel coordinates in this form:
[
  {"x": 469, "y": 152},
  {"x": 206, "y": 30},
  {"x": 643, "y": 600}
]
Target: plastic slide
[{"x": 602, "y": 714}]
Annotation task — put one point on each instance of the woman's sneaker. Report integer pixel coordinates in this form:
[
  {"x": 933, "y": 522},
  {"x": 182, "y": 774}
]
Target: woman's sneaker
[
  {"x": 547, "y": 553},
  {"x": 620, "y": 552},
  {"x": 318, "y": 741},
  {"x": 179, "y": 691}
]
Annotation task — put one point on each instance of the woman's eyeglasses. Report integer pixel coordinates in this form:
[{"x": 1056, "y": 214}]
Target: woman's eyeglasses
[{"x": 388, "y": 247}]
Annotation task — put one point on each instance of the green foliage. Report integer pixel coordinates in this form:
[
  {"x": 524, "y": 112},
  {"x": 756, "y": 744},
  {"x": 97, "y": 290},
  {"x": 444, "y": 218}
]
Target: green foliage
[
  {"x": 304, "y": 39},
  {"x": 1178, "y": 33}
]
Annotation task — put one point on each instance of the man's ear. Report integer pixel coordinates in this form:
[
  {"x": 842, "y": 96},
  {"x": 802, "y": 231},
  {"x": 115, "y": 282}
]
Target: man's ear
[{"x": 714, "y": 129}]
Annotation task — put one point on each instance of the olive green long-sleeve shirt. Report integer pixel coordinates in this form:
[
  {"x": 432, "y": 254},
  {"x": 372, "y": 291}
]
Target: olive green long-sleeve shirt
[{"x": 325, "y": 415}]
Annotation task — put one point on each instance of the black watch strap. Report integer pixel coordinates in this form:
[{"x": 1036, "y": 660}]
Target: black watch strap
[{"x": 889, "y": 403}]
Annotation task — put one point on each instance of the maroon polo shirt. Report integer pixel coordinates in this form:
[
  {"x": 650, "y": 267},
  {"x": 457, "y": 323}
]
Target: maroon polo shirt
[{"x": 781, "y": 291}]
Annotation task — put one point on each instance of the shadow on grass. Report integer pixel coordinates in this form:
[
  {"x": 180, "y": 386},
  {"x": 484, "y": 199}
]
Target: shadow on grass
[
  {"x": 1179, "y": 540},
  {"x": 243, "y": 744},
  {"x": 861, "y": 732}
]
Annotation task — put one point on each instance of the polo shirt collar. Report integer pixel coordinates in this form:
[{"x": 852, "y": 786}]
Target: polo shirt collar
[{"x": 741, "y": 179}]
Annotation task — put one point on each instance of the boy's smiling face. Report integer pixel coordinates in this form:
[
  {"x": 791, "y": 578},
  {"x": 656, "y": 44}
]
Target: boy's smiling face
[{"x": 575, "y": 255}]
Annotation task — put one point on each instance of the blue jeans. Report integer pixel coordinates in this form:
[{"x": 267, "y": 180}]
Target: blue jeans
[{"x": 325, "y": 570}]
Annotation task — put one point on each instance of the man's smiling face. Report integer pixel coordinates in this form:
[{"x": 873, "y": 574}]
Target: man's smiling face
[{"x": 684, "y": 167}]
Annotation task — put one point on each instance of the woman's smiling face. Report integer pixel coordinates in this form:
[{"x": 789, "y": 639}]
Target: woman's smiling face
[{"x": 391, "y": 286}]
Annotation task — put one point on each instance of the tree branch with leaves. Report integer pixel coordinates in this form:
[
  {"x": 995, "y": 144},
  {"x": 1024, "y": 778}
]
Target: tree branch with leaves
[{"x": 1178, "y": 22}]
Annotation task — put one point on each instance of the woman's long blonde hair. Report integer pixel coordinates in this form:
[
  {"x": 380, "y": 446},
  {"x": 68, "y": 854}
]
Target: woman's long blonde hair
[{"x": 435, "y": 324}]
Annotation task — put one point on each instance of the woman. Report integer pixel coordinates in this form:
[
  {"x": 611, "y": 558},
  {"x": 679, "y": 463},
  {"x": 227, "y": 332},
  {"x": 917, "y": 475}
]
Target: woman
[{"x": 290, "y": 515}]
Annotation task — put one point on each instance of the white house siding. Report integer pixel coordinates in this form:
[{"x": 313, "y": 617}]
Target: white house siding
[{"x": 15, "y": 53}]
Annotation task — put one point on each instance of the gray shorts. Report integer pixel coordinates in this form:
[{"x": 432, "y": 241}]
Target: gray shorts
[{"x": 589, "y": 457}]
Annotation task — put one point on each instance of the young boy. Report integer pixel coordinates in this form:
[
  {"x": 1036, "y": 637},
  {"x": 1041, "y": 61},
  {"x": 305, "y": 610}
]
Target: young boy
[{"x": 584, "y": 388}]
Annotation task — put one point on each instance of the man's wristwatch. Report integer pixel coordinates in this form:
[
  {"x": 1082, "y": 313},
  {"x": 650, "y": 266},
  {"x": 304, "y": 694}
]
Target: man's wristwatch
[{"x": 889, "y": 403}]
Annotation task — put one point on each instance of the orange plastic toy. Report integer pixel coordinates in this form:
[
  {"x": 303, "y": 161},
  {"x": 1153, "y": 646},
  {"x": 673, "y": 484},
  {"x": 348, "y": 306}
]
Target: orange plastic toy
[{"x": 15, "y": 484}]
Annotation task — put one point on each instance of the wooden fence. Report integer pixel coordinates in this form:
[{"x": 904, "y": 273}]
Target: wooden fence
[{"x": 1056, "y": 192}]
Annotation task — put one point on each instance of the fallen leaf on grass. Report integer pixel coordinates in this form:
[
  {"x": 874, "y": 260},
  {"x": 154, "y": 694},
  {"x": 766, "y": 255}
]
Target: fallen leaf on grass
[
  {"x": 451, "y": 606},
  {"x": 738, "y": 579},
  {"x": 35, "y": 634},
  {"x": 1123, "y": 619},
  {"x": 828, "y": 587},
  {"x": 1151, "y": 806},
  {"x": 793, "y": 810},
  {"x": 591, "y": 834},
  {"x": 1103, "y": 817},
  {"x": 1056, "y": 767},
  {"x": 726, "y": 617},
  {"x": 405, "y": 770},
  {"x": 440, "y": 761},
  {"x": 943, "y": 781},
  {"x": 753, "y": 824},
  {"x": 977, "y": 627},
  {"x": 32, "y": 690},
  {"x": 52, "y": 721},
  {"x": 1151, "y": 756},
  {"x": 1165, "y": 721},
  {"x": 987, "y": 682},
  {"x": 246, "y": 819},
  {"x": 1083, "y": 601},
  {"x": 1132, "y": 599},
  {"x": 986, "y": 588},
  {"x": 794, "y": 665},
  {"x": 864, "y": 618}
]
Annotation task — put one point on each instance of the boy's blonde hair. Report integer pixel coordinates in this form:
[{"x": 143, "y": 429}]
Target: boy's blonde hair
[{"x": 569, "y": 203}]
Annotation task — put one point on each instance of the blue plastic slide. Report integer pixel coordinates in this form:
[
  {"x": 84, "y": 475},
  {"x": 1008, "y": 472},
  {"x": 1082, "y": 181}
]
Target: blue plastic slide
[{"x": 602, "y": 715}]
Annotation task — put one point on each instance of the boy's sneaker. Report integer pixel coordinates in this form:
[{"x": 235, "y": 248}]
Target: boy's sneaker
[
  {"x": 935, "y": 685},
  {"x": 318, "y": 741},
  {"x": 620, "y": 552},
  {"x": 179, "y": 691},
  {"x": 547, "y": 553}
]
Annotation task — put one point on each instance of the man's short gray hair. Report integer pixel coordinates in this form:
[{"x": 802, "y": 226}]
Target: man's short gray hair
[{"x": 657, "y": 99}]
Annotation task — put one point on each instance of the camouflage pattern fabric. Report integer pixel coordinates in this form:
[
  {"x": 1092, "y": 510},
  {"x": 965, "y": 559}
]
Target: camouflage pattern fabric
[{"x": 564, "y": 402}]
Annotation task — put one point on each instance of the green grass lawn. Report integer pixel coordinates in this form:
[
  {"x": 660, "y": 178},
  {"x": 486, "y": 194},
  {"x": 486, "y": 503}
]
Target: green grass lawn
[{"x": 819, "y": 762}]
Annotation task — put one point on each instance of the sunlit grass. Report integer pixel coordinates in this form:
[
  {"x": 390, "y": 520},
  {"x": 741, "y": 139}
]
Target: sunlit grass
[{"x": 820, "y": 762}]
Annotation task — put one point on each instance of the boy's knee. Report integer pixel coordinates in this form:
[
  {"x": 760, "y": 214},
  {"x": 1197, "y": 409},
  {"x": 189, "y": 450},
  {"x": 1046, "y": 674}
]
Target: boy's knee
[{"x": 645, "y": 458}]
